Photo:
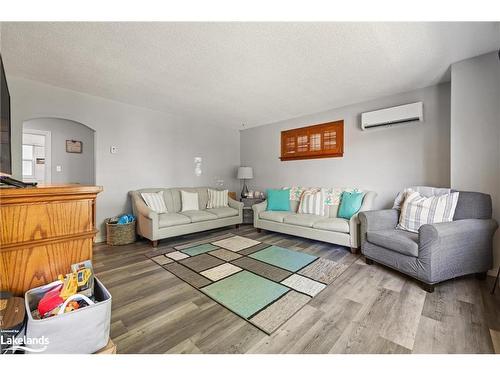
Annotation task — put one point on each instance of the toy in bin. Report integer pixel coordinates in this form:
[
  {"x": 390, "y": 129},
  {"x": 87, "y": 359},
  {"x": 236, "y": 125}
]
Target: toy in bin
[{"x": 77, "y": 285}]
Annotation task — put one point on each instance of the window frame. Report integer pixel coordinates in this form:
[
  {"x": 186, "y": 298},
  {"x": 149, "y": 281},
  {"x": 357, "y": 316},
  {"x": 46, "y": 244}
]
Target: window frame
[{"x": 308, "y": 131}]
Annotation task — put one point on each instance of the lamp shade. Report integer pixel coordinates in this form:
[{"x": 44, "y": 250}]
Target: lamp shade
[{"x": 245, "y": 173}]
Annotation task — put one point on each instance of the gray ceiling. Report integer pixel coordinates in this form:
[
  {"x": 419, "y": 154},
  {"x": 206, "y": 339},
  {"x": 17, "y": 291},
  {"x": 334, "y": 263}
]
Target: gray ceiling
[{"x": 232, "y": 73}]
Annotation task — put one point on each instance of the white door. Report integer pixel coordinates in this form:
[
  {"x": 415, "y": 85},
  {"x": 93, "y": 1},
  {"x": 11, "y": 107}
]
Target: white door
[{"x": 36, "y": 156}]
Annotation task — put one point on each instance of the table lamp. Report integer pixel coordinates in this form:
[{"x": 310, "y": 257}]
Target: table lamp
[{"x": 245, "y": 173}]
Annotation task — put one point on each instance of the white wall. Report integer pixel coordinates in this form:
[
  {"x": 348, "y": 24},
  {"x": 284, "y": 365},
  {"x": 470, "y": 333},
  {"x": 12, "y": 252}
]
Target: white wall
[
  {"x": 76, "y": 168},
  {"x": 155, "y": 149},
  {"x": 384, "y": 160},
  {"x": 475, "y": 129}
]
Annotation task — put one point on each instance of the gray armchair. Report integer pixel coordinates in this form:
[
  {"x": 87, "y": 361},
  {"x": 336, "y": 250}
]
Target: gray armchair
[{"x": 439, "y": 251}]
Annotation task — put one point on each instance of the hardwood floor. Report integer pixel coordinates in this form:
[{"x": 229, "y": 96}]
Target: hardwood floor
[{"x": 367, "y": 309}]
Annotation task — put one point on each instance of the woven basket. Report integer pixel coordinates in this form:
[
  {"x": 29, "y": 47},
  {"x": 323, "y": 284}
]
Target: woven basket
[{"x": 120, "y": 234}]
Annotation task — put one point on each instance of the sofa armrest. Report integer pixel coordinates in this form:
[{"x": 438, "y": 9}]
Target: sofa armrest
[
  {"x": 457, "y": 233},
  {"x": 259, "y": 207},
  {"x": 235, "y": 204},
  {"x": 140, "y": 208},
  {"x": 354, "y": 222},
  {"x": 463, "y": 246}
]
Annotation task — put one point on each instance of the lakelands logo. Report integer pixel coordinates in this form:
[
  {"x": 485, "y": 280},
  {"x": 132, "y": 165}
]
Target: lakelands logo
[{"x": 24, "y": 343}]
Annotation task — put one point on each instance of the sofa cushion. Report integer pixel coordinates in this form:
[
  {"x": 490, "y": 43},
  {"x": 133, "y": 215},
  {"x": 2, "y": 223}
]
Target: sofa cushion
[
  {"x": 333, "y": 224},
  {"x": 397, "y": 240},
  {"x": 221, "y": 212},
  {"x": 278, "y": 200},
  {"x": 199, "y": 215},
  {"x": 303, "y": 220},
  {"x": 350, "y": 203},
  {"x": 473, "y": 205},
  {"x": 189, "y": 201},
  {"x": 155, "y": 201},
  {"x": 276, "y": 216},
  {"x": 171, "y": 219}
]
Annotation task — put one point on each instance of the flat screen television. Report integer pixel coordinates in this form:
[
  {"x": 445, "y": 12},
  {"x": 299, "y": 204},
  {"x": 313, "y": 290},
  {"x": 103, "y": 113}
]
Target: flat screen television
[{"x": 5, "y": 146}]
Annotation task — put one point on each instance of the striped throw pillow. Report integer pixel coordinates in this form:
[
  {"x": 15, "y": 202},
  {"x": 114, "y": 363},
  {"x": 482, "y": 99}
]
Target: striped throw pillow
[
  {"x": 418, "y": 210},
  {"x": 155, "y": 201},
  {"x": 312, "y": 202},
  {"x": 217, "y": 198}
]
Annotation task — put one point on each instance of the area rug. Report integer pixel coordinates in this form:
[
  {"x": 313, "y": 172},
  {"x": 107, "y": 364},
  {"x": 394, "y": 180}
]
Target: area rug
[{"x": 262, "y": 283}]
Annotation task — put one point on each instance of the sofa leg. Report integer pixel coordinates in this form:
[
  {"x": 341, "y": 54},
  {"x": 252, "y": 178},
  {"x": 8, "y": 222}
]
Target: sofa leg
[
  {"x": 429, "y": 288},
  {"x": 237, "y": 226},
  {"x": 481, "y": 275},
  {"x": 259, "y": 230},
  {"x": 154, "y": 243},
  {"x": 368, "y": 261},
  {"x": 354, "y": 250}
]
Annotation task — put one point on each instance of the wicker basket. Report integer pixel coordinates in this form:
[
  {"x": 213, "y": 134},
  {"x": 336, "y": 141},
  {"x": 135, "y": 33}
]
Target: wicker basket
[{"x": 120, "y": 234}]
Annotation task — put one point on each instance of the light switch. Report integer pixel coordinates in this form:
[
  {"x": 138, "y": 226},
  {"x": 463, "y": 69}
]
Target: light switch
[
  {"x": 114, "y": 149},
  {"x": 58, "y": 168}
]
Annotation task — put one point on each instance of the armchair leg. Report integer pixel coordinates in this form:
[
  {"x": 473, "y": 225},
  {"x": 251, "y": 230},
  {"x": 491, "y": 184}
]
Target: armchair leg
[
  {"x": 354, "y": 250},
  {"x": 368, "y": 261},
  {"x": 429, "y": 288},
  {"x": 480, "y": 275},
  {"x": 496, "y": 282},
  {"x": 154, "y": 243}
]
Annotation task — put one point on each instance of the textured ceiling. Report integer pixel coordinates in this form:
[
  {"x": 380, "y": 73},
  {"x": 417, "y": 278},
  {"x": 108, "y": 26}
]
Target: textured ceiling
[{"x": 232, "y": 73}]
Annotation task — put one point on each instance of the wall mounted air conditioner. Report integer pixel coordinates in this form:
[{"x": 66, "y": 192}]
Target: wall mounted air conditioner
[{"x": 392, "y": 116}]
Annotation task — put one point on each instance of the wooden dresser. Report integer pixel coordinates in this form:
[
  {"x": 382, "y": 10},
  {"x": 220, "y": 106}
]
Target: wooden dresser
[{"x": 43, "y": 231}]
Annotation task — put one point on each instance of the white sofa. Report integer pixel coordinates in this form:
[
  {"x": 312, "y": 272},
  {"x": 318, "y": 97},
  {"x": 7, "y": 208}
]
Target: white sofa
[
  {"x": 328, "y": 228},
  {"x": 154, "y": 226}
]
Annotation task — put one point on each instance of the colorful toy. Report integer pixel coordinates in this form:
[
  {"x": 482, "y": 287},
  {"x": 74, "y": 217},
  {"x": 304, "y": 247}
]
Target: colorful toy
[{"x": 50, "y": 301}]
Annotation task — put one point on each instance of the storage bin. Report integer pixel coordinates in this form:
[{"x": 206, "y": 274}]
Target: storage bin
[
  {"x": 84, "y": 331},
  {"x": 120, "y": 234}
]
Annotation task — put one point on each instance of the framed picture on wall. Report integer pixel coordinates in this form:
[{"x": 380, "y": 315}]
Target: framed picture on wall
[{"x": 74, "y": 147}]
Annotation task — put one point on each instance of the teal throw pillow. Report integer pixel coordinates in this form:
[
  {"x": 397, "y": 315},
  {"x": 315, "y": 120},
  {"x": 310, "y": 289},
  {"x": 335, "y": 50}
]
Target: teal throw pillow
[
  {"x": 350, "y": 203},
  {"x": 278, "y": 199}
]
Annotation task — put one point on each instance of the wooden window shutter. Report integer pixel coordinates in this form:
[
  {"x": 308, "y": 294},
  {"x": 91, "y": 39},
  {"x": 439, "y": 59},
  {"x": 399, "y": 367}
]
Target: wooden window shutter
[{"x": 316, "y": 141}]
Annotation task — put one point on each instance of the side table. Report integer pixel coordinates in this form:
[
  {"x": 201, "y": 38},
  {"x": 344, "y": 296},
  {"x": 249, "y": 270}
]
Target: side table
[{"x": 247, "y": 208}]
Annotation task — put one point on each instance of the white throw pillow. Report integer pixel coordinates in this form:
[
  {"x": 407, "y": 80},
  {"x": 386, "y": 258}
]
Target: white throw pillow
[
  {"x": 426, "y": 191},
  {"x": 189, "y": 201},
  {"x": 418, "y": 210},
  {"x": 155, "y": 201},
  {"x": 312, "y": 202},
  {"x": 217, "y": 198}
]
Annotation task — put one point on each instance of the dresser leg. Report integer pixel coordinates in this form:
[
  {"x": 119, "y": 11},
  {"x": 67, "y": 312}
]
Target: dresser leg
[{"x": 154, "y": 243}]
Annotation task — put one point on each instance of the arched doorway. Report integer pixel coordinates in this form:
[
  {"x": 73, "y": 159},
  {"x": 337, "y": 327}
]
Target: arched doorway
[{"x": 58, "y": 151}]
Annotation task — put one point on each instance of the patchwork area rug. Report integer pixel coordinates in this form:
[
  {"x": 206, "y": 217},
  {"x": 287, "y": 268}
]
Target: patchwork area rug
[{"x": 262, "y": 283}]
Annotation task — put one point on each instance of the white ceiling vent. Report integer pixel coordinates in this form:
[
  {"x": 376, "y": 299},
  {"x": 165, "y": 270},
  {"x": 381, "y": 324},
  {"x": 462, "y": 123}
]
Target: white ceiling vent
[{"x": 401, "y": 114}]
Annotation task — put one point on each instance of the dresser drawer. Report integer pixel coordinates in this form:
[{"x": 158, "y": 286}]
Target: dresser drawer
[{"x": 43, "y": 220}]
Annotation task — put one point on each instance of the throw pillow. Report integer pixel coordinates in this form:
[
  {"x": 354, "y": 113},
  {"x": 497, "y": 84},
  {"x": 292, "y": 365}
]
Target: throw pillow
[
  {"x": 426, "y": 191},
  {"x": 217, "y": 198},
  {"x": 189, "y": 201},
  {"x": 312, "y": 203},
  {"x": 418, "y": 210},
  {"x": 350, "y": 203},
  {"x": 278, "y": 199},
  {"x": 155, "y": 201}
]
